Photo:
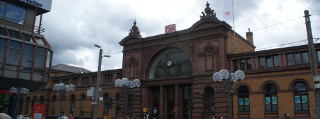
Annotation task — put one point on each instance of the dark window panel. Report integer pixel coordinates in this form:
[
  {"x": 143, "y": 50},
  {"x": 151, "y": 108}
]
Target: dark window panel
[
  {"x": 14, "y": 52},
  {"x": 249, "y": 64},
  {"x": 15, "y": 14},
  {"x": 242, "y": 64},
  {"x": 268, "y": 61},
  {"x": 275, "y": 60},
  {"x": 297, "y": 59},
  {"x": 14, "y": 34},
  {"x": 305, "y": 58},
  {"x": 209, "y": 100},
  {"x": 2, "y": 30},
  {"x": 235, "y": 65},
  {"x": 301, "y": 97},
  {"x": 3, "y": 46},
  {"x": 289, "y": 59},
  {"x": 2, "y": 8},
  {"x": 27, "y": 55},
  {"x": 318, "y": 54},
  {"x": 40, "y": 57},
  {"x": 243, "y": 99},
  {"x": 261, "y": 62}
]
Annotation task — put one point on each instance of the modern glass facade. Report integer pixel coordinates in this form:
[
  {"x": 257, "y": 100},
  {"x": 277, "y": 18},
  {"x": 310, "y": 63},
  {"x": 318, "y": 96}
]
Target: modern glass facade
[{"x": 24, "y": 58}]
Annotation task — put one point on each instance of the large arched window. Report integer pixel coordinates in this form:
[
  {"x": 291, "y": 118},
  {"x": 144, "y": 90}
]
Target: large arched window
[
  {"x": 271, "y": 98},
  {"x": 172, "y": 62},
  {"x": 34, "y": 100},
  {"x": 83, "y": 100},
  {"x": 243, "y": 99},
  {"x": 106, "y": 102},
  {"x": 209, "y": 99},
  {"x": 54, "y": 99},
  {"x": 41, "y": 100},
  {"x": 72, "y": 103},
  {"x": 301, "y": 97}
]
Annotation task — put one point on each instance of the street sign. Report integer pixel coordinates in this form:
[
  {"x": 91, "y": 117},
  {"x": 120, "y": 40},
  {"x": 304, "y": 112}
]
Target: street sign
[
  {"x": 91, "y": 91},
  {"x": 38, "y": 111}
]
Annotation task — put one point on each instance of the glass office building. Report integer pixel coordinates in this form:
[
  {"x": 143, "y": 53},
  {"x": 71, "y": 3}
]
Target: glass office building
[{"x": 25, "y": 55}]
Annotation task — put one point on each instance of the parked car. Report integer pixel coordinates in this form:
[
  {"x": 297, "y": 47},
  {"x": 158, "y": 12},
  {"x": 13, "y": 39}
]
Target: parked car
[
  {"x": 23, "y": 117},
  {"x": 63, "y": 117}
]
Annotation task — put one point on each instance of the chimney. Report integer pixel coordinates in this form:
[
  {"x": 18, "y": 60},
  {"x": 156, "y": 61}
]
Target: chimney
[{"x": 249, "y": 36}]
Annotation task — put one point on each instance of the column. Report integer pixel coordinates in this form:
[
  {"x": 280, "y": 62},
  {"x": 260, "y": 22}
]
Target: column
[{"x": 161, "y": 105}]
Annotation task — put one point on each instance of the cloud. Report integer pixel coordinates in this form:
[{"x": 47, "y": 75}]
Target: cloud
[{"x": 74, "y": 26}]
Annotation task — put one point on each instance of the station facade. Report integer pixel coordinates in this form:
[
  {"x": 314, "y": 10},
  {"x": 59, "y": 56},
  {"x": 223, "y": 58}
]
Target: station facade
[{"x": 175, "y": 70}]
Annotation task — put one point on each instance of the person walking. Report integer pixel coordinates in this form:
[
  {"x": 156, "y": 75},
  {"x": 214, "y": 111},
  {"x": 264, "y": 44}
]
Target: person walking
[{"x": 70, "y": 116}]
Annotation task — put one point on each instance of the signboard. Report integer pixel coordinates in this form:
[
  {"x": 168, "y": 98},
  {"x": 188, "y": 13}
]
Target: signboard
[
  {"x": 43, "y": 4},
  {"x": 38, "y": 111},
  {"x": 170, "y": 28}
]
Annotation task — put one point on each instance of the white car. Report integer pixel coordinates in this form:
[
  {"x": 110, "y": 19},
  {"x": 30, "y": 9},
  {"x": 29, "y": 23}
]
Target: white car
[{"x": 63, "y": 117}]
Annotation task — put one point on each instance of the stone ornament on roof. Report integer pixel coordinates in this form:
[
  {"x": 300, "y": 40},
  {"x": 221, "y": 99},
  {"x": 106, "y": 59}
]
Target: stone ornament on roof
[
  {"x": 209, "y": 13},
  {"x": 135, "y": 30}
]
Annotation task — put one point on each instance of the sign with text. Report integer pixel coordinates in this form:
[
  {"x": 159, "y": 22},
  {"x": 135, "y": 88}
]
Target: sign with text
[
  {"x": 170, "y": 28},
  {"x": 44, "y": 4},
  {"x": 38, "y": 111}
]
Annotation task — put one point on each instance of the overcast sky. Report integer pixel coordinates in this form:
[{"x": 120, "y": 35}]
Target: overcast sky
[{"x": 74, "y": 26}]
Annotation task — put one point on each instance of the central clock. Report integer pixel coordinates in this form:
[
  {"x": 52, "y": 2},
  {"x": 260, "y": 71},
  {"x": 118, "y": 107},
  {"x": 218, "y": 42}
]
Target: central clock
[{"x": 169, "y": 63}]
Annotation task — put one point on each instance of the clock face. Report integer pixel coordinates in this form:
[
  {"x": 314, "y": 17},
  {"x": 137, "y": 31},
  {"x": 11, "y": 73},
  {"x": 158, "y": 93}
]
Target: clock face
[{"x": 169, "y": 63}]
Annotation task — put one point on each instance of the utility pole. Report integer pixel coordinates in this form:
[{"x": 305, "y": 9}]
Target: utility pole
[
  {"x": 313, "y": 62},
  {"x": 97, "y": 89}
]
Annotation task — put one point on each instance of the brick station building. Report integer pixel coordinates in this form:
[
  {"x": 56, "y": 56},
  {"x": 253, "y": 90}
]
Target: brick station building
[{"x": 175, "y": 70}]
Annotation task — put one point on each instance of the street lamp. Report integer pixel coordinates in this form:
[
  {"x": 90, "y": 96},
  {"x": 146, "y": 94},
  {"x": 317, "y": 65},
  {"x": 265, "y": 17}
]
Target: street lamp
[
  {"x": 20, "y": 92},
  {"x": 230, "y": 79},
  {"x": 62, "y": 88},
  {"x": 127, "y": 84},
  {"x": 96, "y": 92}
]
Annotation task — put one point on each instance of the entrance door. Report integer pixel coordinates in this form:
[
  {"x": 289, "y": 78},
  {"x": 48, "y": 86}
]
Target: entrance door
[
  {"x": 170, "y": 102},
  {"x": 187, "y": 102}
]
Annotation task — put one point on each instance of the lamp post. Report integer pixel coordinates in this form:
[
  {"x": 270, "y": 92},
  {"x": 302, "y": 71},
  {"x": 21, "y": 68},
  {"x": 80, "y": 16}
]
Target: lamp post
[
  {"x": 20, "y": 92},
  {"x": 230, "y": 79},
  {"x": 62, "y": 88},
  {"x": 127, "y": 85},
  {"x": 96, "y": 92}
]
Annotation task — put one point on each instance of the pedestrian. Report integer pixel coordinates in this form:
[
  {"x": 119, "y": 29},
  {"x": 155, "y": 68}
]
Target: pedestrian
[{"x": 70, "y": 116}]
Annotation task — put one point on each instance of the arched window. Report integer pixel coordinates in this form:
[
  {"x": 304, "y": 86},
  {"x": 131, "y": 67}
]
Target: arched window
[
  {"x": 172, "y": 62},
  {"x": 54, "y": 99},
  {"x": 41, "y": 100},
  {"x": 72, "y": 103},
  {"x": 271, "y": 98},
  {"x": 83, "y": 100},
  {"x": 301, "y": 97},
  {"x": 26, "y": 111},
  {"x": 106, "y": 102},
  {"x": 209, "y": 100},
  {"x": 243, "y": 99},
  {"x": 34, "y": 100}
]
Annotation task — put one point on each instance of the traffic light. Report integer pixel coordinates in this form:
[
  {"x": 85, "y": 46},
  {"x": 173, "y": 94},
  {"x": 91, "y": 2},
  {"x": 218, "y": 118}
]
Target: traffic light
[
  {"x": 117, "y": 95},
  {"x": 117, "y": 107},
  {"x": 111, "y": 102}
]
